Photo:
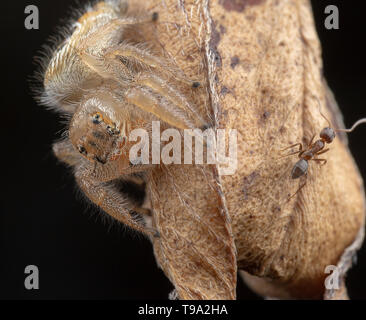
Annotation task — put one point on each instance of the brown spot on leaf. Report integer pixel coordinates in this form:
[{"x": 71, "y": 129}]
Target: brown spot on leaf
[
  {"x": 265, "y": 115},
  {"x": 214, "y": 41},
  {"x": 239, "y": 5},
  {"x": 247, "y": 182},
  {"x": 276, "y": 209},
  {"x": 216, "y": 36},
  {"x": 234, "y": 61},
  {"x": 224, "y": 91}
]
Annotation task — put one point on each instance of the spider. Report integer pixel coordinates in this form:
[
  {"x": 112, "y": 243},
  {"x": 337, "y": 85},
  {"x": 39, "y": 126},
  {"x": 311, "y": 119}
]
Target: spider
[{"x": 108, "y": 80}]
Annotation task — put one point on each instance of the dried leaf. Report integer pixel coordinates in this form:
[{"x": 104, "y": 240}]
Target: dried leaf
[
  {"x": 261, "y": 61},
  {"x": 196, "y": 248},
  {"x": 273, "y": 106}
]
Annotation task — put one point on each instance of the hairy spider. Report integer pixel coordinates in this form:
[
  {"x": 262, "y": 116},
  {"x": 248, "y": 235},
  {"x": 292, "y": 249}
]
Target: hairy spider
[{"x": 109, "y": 81}]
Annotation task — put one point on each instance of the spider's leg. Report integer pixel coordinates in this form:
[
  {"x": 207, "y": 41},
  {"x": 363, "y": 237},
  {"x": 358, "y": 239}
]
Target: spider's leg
[
  {"x": 149, "y": 92},
  {"x": 114, "y": 170},
  {"x": 105, "y": 45},
  {"x": 113, "y": 202},
  {"x": 170, "y": 92},
  {"x": 135, "y": 65},
  {"x": 147, "y": 100},
  {"x": 111, "y": 33},
  {"x": 98, "y": 48},
  {"x": 141, "y": 56}
]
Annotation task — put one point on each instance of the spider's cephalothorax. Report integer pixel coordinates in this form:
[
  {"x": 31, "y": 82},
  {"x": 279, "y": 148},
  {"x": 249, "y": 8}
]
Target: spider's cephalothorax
[
  {"x": 107, "y": 79},
  {"x": 96, "y": 134}
]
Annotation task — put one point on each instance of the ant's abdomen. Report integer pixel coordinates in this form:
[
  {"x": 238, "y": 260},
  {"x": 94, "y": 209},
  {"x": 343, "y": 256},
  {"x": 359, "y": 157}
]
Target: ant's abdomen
[{"x": 299, "y": 169}]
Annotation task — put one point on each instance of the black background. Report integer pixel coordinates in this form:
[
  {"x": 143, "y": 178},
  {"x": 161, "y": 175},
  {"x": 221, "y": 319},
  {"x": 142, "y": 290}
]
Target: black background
[{"x": 42, "y": 221}]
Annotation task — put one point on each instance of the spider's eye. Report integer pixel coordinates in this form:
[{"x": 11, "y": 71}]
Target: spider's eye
[
  {"x": 155, "y": 16},
  {"x": 82, "y": 150},
  {"x": 97, "y": 118},
  {"x": 112, "y": 130}
]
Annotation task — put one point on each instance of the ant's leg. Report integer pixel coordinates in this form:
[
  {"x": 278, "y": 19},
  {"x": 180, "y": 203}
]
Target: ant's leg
[
  {"x": 113, "y": 202},
  {"x": 295, "y": 152},
  {"x": 294, "y": 145},
  {"x": 302, "y": 186},
  {"x": 290, "y": 154},
  {"x": 324, "y": 161},
  {"x": 322, "y": 151}
]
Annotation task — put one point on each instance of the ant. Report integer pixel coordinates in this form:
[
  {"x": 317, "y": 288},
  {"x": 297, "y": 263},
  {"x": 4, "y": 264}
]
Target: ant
[{"x": 314, "y": 149}]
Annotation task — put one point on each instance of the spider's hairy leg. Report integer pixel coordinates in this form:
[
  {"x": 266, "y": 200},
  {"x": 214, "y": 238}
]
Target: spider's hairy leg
[
  {"x": 141, "y": 56},
  {"x": 93, "y": 48},
  {"x": 115, "y": 169},
  {"x": 112, "y": 201},
  {"x": 135, "y": 65},
  {"x": 170, "y": 92},
  {"x": 149, "y": 101},
  {"x": 150, "y": 92},
  {"x": 94, "y": 180}
]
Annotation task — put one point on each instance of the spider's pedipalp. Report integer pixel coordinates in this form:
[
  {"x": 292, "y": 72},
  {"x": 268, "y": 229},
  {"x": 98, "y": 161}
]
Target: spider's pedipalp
[{"x": 65, "y": 152}]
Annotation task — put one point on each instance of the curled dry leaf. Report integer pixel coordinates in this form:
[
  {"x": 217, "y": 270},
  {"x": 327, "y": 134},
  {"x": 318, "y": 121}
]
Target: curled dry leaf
[
  {"x": 260, "y": 61},
  {"x": 196, "y": 248}
]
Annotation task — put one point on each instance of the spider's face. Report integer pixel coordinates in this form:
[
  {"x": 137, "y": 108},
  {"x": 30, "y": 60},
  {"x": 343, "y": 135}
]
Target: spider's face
[{"x": 96, "y": 137}]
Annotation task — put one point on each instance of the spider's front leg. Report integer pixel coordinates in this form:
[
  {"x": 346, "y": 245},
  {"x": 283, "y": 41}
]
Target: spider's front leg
[
  {"x": 98, "y": 184},
  {"x": 110, "y": 199},
  {"x": 158, "y": 94},
  {"x": 154, "y": 84}
]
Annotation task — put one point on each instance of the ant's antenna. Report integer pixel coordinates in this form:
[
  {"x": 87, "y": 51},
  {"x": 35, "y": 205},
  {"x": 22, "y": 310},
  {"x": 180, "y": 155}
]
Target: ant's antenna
[
  {"x": 320, "y": 110},
  {"x": 356, "y": 124}
]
